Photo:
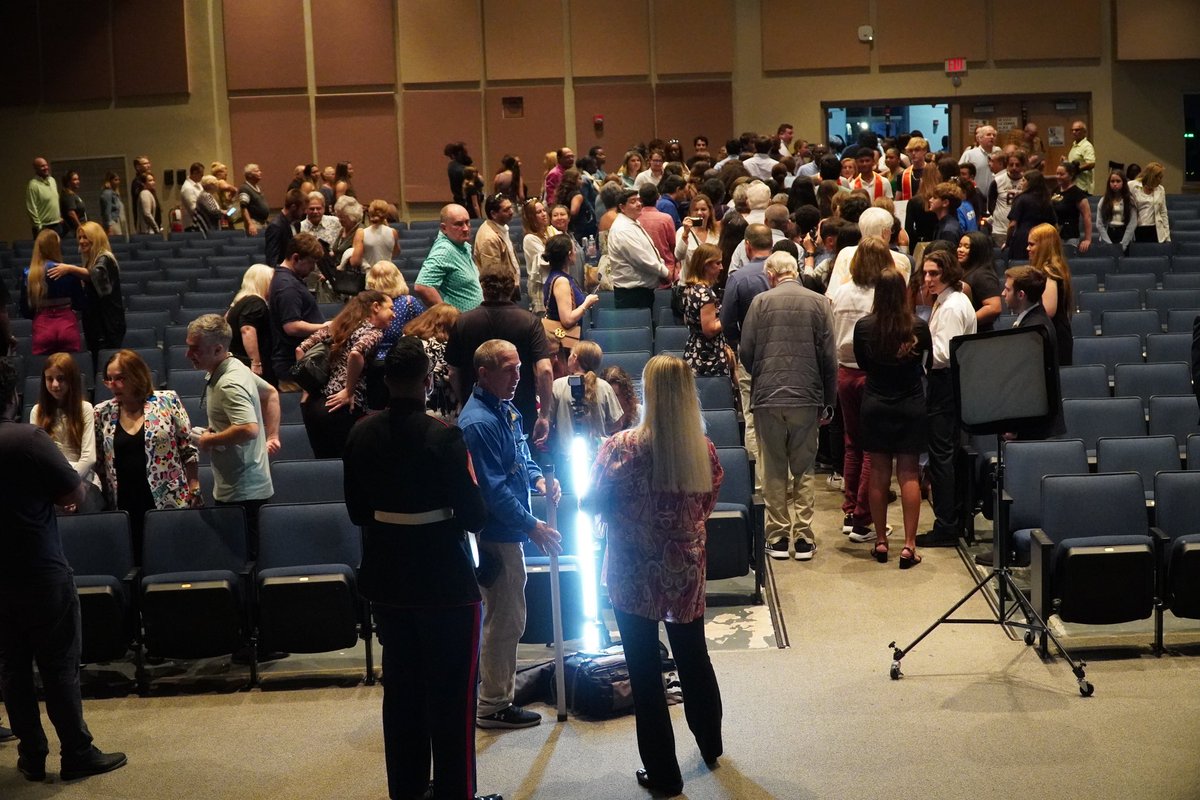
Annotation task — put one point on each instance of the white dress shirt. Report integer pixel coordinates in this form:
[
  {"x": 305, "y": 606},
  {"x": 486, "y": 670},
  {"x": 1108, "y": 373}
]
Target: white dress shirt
[
  {"x": 952, "y": 315},
  {"x": 634, "y": 261}
]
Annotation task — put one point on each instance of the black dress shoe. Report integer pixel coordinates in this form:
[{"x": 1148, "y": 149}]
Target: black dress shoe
[
  {"x": 937, "y": 539},
  {"x": 94, "y": 763},
  {"x": 34, "y": 769},
  {"x": 646, "y": 782},
  {"x": 6, "y": 735},
  {"x": 986, "y": 558}
]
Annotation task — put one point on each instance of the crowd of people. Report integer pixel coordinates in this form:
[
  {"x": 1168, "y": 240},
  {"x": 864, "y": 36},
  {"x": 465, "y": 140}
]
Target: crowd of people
[{"x": 824, "y": 281}]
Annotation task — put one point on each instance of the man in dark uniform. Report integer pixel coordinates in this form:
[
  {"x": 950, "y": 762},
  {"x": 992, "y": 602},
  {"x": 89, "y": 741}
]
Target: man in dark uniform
[
  {"x": 409, "y": 483},
  {"x": 39, "y": 607}
]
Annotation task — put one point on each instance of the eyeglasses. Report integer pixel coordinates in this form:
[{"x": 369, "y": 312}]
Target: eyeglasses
[{"x": 113, "y": 380}]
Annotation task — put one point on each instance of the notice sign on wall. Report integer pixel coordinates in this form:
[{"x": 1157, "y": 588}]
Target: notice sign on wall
[
  {"x": 1056, "y": 136},
  {"x": 1005, "y": 124}
]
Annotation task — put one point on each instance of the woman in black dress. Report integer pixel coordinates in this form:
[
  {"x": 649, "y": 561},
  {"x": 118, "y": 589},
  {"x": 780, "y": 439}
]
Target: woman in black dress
[
  {"x": 893, "y": 345},
  {"x": 251, "y": 323},
  {"x": 1071, "y": 208},
  {"x": 1031, "y": 208}
]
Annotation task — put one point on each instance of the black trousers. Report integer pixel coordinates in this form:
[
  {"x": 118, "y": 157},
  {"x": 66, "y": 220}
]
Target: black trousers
[
  {"x": 944, "y": 435},
  {"x": 327, "y": 430},
  {"x": 430, "y": 684},
  {"x": 42, "y": 625},
  {"x": 633, "y": 298},
  {"x": 702, "y": 696}
]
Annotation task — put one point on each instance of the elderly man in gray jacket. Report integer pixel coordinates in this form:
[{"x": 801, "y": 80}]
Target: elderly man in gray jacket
[{"x": 788, "y": 347}]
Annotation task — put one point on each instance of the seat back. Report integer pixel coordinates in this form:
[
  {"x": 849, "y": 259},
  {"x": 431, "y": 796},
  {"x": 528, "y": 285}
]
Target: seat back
[
  {"x": 721, "y": 426},
  {"x": 1143, "y": 380},
  {"x": 307, "y": 533},
  {"x": 1182, "y": 320},
  {"x": 1126, "y": 281},
  {"x": 715, "y": 391},
  {"x": 673, "y": 337},
  {"x": 315, "y": 481},
  {"x": 737, "y": 486},
  {"x": 194, "y": 540},
  {"x": 615, "y": 340},
  {"x": 1144, "y": 455},
  {"x": 1156, "y": 265},
  {"x": 621, "y": 318},
  {"x": 1108, "y": 504},
  {"x": 1083, "y": 380},
  {"x": 1026, "y": 463},
  {"x": 1174, "y": 415},
  {"x": 1139, "y": 323},
  {"x": 294, "y": 444},
  {"x": 1177, "y": 502},
  {"x": 633, "y": 362},
  {"x": 1095, "y": 303},
  {"x": 1108, "y": 351},
  {"x": 97, "y": 544},
  {"x": 1162, "y": 347},
  {"x": 1163, "y": 300},
  {"x": 1090, "y": 418}
]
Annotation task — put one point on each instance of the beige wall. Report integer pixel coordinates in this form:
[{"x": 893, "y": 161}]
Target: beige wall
[{"x": 470, "y": 52}]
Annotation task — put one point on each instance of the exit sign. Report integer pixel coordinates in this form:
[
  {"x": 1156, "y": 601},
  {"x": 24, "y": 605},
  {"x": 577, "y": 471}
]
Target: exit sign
[{"x": 956, "y": 66}]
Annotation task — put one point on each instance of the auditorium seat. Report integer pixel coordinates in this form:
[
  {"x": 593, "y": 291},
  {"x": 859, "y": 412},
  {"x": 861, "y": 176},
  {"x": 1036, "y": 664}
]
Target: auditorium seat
[
  {"x": 1108, "y": 351},
  {"x": 1177, "y": 515},
  {"x": 1143, "y": 380},
  {"x": 1083, "y": 380},
  {"x": 309, "y": 481},
  {"x": 1164, "y": 300},
  {"x": 1174, "y": 415},
  {"x": 1090, "y": 418},
  {"x": 1025, "y": 464},
  {"x": 633, "y": 362},
  {"x": 716, "y": 391},
  {"x": 294, "y": 445},
  {"x": 99, "y": 548},
  {"x": 1182, "y": 320},
  {"x": 621, "y": 317},
  {"x": 673, "y": 337},
  {"x": 735, "y": 527},
  {"x": 614, "y": 340},
  {"x": 1162, "y": 347},
  {"x": 1138, "y": 323},
  {"x": 1157, "y": 265},
  {"x": 722, "y": 428},
  {"x": 1096, "y": 303},
  {"x": 1144, "y": 455},
  {"x": 1139, "y": 282}
]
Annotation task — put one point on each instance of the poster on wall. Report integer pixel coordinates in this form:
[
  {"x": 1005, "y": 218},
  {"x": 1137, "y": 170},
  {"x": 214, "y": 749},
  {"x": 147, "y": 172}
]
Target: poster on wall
[
  {"x": 1005, "y": 124},
  {"x": 1056, "y": 136},
  {"x": 973, "y": 124}
]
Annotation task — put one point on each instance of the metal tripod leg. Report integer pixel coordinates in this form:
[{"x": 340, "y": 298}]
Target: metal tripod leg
[{"x": 1034, "y": 626}]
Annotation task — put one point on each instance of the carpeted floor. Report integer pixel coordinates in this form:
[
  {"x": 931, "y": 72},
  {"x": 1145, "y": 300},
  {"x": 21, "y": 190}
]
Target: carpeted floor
[{"x": 976, "y": 716}]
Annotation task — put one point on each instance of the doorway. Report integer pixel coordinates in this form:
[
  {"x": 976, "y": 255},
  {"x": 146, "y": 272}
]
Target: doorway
[{"x": 886, "y": 120}]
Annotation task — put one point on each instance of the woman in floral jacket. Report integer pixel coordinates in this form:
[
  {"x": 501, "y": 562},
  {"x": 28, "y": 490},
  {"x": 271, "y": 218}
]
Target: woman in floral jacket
[{"x": 147, "y": 459}]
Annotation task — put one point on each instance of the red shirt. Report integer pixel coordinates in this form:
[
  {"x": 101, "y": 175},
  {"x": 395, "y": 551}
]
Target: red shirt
[{"x": 661, "y": 229}]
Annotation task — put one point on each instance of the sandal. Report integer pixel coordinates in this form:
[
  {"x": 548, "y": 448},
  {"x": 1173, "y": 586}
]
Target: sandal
[
  {"x": 909, "y": 558},
  {"x": 880, "y": 555}
]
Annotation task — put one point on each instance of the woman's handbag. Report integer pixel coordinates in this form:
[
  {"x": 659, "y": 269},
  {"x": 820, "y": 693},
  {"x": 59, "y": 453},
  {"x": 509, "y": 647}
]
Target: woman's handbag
[
  {"x": 311, "y": 372},
  {"x": 348, "y": 283},
  {"x": 559, "y": 337}
]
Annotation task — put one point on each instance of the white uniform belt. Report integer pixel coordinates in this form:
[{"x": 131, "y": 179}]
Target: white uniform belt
[{"x": 422, "y": 518}]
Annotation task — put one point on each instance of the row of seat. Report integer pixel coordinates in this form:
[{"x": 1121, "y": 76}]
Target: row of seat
[
  {"x": 1094, "y": 557},
  {"x": 1093, "y": 418}
]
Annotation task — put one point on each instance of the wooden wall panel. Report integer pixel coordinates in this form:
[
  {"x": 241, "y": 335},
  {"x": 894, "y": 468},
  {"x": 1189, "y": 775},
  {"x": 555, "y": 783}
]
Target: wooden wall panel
[
  {"x": 431, "y": 119},
  {"x": 1072, "y": 31},
  {"x": 264, "y": 45},
  {"x": 441, "y": 41},
  {"x": 902, "y": 32},
  {"x": 693, "y": 37},
  {"x": 628, "y": 110},
  {"x": 1149, "y": 30},
  {"x": 150, "y": 48},
  {"x": 542, "y": 129},
  {"x": 81, "y": 30},
  {"x": 684, "y": 110},
  {"x": 522, "y": 39},
  {"x": 624, "y": 48},
  {"x": 361, "y": 129},
  {"x": 19, "y": 53},
  {"x": 273, "y": 132},
  {"x": 363, "y": 53},
  {"x": 830, "y": 40}
]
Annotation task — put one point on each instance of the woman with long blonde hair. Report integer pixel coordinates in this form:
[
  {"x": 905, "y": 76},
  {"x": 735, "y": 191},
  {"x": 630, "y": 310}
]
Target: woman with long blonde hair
[
  {"x": 46, "y": 297},
  {"x": 653, "y": 487},
  {"x": 536, "y": 218},
  {"x": 251, "y": 323},
  {"x": 104, "y": 311},
  {"x": 1046, "y": 256},
  {"x": 62, "y": 412}
]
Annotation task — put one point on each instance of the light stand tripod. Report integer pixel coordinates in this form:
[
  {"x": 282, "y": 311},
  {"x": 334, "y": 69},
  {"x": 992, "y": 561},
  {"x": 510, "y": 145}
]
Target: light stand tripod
[
  {"x": 998, "y": 381},
  {"x": 1001, "y": 572}
]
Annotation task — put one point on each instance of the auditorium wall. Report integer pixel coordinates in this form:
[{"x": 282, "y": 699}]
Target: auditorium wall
[{"x": 385, "y": 83}]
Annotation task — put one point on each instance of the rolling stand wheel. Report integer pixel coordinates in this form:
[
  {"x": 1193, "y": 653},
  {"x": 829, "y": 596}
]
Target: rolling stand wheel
[
  {"x": 1030, "y": 638},
  {"x": 1086, "y": 688},
  {"x": 894, "y": 672}
]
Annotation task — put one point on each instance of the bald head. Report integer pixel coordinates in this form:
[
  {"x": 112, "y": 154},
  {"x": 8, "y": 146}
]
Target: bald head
[{"x": 456, "y": 223}]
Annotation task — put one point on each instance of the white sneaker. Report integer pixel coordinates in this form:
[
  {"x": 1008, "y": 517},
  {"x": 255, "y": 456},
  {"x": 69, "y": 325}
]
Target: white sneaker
[
  {"x": 862, "y": 533},
  {"x": 834, "y": 481}
]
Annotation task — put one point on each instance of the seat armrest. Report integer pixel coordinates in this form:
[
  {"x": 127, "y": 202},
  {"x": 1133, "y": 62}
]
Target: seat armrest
[
  {"x": 1162, "y": 544},
  {"x": 131, "y": 576},
  {"x": 1006, "y": 497},
  {"x": 1041, "y": 595}
]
